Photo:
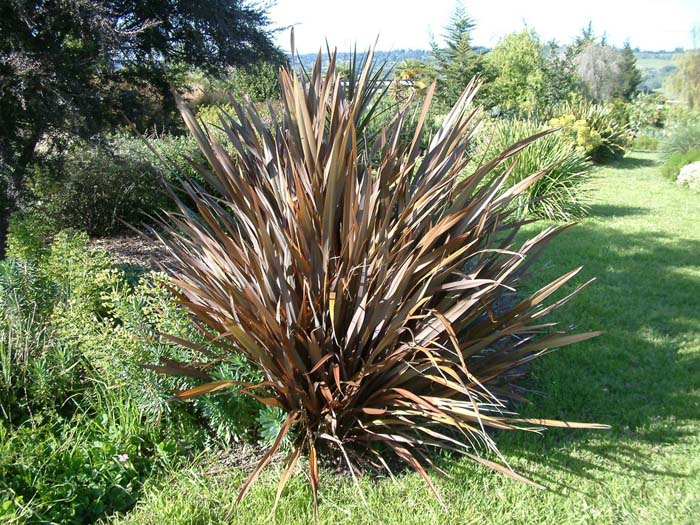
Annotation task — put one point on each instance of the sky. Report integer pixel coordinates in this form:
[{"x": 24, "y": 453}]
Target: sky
[{"x": 649, "y": 25}]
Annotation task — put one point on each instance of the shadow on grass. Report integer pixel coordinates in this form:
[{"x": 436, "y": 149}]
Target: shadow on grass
[
  {"x": 632, "y": 163},
  {"x": 608, "y": 210},
  {"x": 642, "y": 376}
]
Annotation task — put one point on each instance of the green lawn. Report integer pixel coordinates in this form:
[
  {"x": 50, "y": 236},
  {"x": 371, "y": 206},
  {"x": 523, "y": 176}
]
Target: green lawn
[{"x": 642, "y": 243}]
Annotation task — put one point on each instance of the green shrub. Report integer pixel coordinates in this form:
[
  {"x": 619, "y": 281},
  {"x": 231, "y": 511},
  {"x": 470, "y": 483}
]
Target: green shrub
[
  {"x": 29, "y": 233},
  {"x": 79, "y": 467},
  {"x": 673, "y": 165},
  {"x": 680, "y": 139},
  {"x": 95, "y": 187},
  {"x": 620, "y": 112},
  {"x": 257, "y": 82},
  {"x": 594, "y": 128},
  {"x": 645, "y": 141},
  {"x": 648, "y": 110},
  {"x": 212, "y": 114},
  {"x": 82, "y": 422},
  {"x": 561, "y": 194}
]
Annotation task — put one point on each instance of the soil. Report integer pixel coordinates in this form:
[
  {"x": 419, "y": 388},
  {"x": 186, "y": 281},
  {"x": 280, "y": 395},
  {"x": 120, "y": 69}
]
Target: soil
[{"x": 135, "y": 250}]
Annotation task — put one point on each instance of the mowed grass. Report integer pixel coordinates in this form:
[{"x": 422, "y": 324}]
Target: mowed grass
[{"x": 642, "y": 377}]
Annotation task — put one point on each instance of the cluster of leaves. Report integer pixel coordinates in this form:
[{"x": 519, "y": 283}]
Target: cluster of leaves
[
  {"x": 648, "y": 110},
  {"x": 680, "y": 144},
  {"x": 371, "y": 287},
  {"x": 257, "y": 82},
  {"x": 521, "y": 82}
]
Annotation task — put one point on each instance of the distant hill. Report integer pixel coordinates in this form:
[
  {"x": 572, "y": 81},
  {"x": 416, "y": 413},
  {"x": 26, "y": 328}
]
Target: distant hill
[
  {"x": 391, "y": 57},
  {"x": 655, "y": 67}
]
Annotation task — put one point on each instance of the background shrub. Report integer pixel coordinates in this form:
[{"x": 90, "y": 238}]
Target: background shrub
[
  {"x": 648, "y": 110},
  {"x": 680, "y": 139},
  {"x": 681, "y": 143},
  {"x": 594, "y": 128},
  {"x": 29, "y": 235},
  {"x": 96, "y": 186},
  {"x": 646, "y": 141},
  {"x": 673, "y": 165}
]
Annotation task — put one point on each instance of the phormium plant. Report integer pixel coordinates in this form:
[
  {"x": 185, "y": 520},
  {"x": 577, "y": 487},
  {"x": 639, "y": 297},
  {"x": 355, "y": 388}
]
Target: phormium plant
[{"x": 366, "y": 284}]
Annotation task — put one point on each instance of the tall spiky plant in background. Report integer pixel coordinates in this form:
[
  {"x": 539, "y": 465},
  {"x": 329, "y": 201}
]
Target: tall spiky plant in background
[{"x": 367, "y": 284}]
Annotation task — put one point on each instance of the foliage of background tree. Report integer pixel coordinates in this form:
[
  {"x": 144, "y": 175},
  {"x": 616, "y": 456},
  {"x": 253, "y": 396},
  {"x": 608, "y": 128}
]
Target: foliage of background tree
[
  {"x": 685, "y": 83},
  {"x": 519, "y": 65},
  {"x": 601, "y": 70},
  {"x": 76, "y": 67},
  {"x": 458, "y": 62},
  {"x": 561, "y": 83},
  {"x": 631, "y": 76}
]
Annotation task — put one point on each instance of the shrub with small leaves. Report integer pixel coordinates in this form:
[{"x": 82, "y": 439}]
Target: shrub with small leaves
[{"x": 96, "y": 188}]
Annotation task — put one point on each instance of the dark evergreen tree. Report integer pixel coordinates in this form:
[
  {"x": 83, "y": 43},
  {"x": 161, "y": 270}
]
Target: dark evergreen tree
[
  {"x": 631, "y": 76},
  {"x": 457, "y": 62},
  {"x": 76, "y": 67}
]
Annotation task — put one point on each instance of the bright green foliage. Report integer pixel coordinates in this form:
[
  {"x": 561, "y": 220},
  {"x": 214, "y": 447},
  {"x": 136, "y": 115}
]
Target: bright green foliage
[
  {"x": 212, "y": 114},
  {"x": 562, "y": 193},
  {"x": 28, "y": 235},
  {"x": 82, "y": 422},
  {"x": 519, "y": 64},
  {"x": 594, "y": 129},
  {"x": 675, "y": 162}
]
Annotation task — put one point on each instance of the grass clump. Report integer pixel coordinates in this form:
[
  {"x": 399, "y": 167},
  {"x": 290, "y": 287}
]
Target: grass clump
[{"x": 561, "y": 193}]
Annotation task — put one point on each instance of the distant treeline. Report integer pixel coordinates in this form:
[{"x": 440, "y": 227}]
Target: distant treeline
[{"x": 654, "y": 65}]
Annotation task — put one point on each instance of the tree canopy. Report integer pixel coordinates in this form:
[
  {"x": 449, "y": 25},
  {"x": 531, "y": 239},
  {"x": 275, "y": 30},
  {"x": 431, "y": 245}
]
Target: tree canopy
[
  {"x": 75, "y": 67},
  {"x": 519, "y": 62}
]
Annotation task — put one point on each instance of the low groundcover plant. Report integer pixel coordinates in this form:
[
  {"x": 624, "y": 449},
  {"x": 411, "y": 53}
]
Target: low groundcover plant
[{"x": 372, "y": 282}]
